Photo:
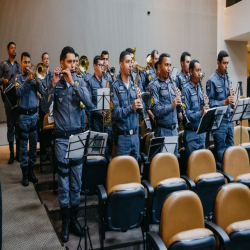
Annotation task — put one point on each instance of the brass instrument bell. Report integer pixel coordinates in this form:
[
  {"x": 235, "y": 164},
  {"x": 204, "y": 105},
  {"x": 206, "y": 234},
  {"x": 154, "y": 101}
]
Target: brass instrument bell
[{"x": 84, "y": 63}]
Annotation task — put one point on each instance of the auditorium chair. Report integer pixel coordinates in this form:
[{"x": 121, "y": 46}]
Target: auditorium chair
[
  {"x": 122, "y": 203},
  {"x": 240, "y": 135},
  {"x": 205, "y": 181},
  {"x": 236, "y": 165},
  {"x": 94, "y": 173},
  {"x": 164, "y": 178},
  {"x": 232, "y": 215},
  {"x": 182, "y": 225}
]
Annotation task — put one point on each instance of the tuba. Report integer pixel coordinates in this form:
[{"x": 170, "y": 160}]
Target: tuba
[
  {"x": 83, "y": 63},
  {"x": 107, "y": 118}
]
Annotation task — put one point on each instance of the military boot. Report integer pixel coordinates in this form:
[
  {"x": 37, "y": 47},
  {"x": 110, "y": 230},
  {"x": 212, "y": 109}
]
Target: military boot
[
  {"x": 31, "y": 175},
  {"x": 11, "y": 160},
  {"x": 25, "y": 181},
  {"x": 65, "y": 225},
  {"x": 75, "y": 226}
]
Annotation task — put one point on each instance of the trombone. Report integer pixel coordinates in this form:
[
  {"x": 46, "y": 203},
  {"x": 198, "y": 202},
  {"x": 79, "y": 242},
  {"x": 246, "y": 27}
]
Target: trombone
[{"x": 38, "y": 71}]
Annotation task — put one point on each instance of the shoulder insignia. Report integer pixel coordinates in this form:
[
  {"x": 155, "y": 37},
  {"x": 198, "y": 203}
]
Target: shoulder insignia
[
  {"x": 152, "y": 101},
  {"x": 17, "y": 84},
  {"x": 183, "y": 97},
  {"x": 184, "y": 105},
  {"x": 78, "y": 83},
  {"x": 149, "y": 77},
  {"x": 184, "y": 80},
  {"x": 111, "y": 93}
]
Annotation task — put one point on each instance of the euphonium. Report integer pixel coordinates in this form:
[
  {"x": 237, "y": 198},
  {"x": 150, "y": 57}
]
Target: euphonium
[
  {"x": 83, "y": 63},
  {"x": 107, "y": 118},
  {"x": 38, "y": 72}
]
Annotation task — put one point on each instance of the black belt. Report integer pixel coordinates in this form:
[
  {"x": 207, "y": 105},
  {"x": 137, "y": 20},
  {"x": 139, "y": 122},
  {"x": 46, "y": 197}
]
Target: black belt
[
  {"x": 128, "y": 132},
  {"x": 27, "y": 111},
  {"x": 66, "y": 134},
  {"x": 191, "y": 129},
  {"x": 165, "y": 126}
]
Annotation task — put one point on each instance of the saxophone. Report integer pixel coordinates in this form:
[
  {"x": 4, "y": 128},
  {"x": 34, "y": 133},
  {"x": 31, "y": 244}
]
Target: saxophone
[{"x": 107, "y": 118}]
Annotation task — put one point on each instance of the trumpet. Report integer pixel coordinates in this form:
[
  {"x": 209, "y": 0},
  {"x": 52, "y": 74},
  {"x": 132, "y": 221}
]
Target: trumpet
[
  {"x": 111, "y": 70},
  {"x": 38, "y": 71},
  {"x": 83, "y": 63}
]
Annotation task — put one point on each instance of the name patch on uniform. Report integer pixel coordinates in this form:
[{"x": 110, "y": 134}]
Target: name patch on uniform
[
  {"x": 193, "y": 93},
  {"x": 123, "y": 91},
  {"x": 164, "y": 87},
  {"x": 59, "y": 87},
  {"x": 121, "y": 88}
]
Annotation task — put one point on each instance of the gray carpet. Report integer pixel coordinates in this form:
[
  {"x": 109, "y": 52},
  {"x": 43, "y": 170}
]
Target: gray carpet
[{"x": 26, "y": 224}]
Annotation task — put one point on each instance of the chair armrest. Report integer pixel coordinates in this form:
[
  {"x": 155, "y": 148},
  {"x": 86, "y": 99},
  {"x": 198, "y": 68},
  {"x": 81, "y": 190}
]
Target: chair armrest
[
  {"x": 223, "y": 237},
  {"x": 143, "y": 155},
  {"x": 155, "y": 242},
  {"x": 229, "y": 178},
  {"x": 148, "y": 186},
  {"x": 190, "y": 182},
  {"x": 102, "y": 195}
]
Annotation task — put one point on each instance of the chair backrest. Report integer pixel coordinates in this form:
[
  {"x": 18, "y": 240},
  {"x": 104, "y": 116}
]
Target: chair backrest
[
  {"x": 163, "y": 166},
  {"x": 232, "y": 204},
  {"x": 235, "y": 161},
  {"x": 240, "y": 135},
  {"x": 200, "y": 162},
  {"x": 45, "y": 120},
  {"x": 181, "y": 211},
  {"x": 149, "y": 136},
  {"x": 122, "y": 170}
]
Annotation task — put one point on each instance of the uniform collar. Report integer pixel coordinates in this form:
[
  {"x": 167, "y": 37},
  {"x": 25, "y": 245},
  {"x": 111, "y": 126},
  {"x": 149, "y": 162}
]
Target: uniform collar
[
  {"x": 10, "y": 62},
  {"x": 161, "y": 80},
  {"x": 216, "y": 71},
  {"x": 184, "y": 75}
]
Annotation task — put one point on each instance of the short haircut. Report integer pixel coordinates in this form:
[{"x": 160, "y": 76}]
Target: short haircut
[
  {"x": 123, "y": 54},
  {"x": 25, "y": 54},
  {"x": 156, "y": 65},
  {"x": 192, "y": 63},
  {"x": 76, "y": 55},
  {"x": 8, "y": 46},
  {"x": 222, "y": 54},
  {"x": 153, "y": 53},
  {"x": 104, "y": 52},
  {"x": 183, "y": 56},
  {"x": 96, "y": 59},
  {"x": 162, "y": 56},
  {"x": 148, "y": 55},
  {"x": 130, "y": 50},
  {"x": 45, "y": 53},
  {"x": 65, "y": 51}
]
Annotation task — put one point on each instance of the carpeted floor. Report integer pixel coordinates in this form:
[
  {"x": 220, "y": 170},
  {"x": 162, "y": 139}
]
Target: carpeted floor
[{"x": 26, "y": 224}]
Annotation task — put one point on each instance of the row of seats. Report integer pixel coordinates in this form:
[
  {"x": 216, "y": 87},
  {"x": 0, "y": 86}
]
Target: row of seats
[
  {"x": 182, "y": 224},
  {"x": 122, "y": 205}
]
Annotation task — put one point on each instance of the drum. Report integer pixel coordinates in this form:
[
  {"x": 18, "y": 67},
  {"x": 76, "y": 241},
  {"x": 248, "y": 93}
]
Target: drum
[{"x": 10, "y": 94}]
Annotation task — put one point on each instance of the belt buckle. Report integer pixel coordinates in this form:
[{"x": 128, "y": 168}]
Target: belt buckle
[
  {"x": 131, "y": 131},
  {"x": 27, "y": 112}
]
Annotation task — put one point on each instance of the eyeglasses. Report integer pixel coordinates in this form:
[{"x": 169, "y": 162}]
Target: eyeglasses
[{"x": 100, "y": 65}]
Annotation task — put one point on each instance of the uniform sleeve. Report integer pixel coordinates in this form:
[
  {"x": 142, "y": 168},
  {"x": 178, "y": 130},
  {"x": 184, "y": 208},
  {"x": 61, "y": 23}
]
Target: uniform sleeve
[
  {"x": 46, "y": 102},
  {"x": 157, "y": 108},
  {"x": 84, "y": 95},
  {"x": 192, "y": 115},
  {"x": 210, "y": 90},
  {"x": 119, "y": 112}
]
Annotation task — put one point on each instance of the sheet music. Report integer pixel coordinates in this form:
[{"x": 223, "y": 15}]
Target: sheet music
[
  {"x": 170, "y": 143},
  {"x": 218, "y": 115},
  {"x": 103, "y": 96},
  {"x": 97, "y": 143},
  {"x": 51, "y": 117},
  {"x": 241, "y": 105},
  {"x": 76, "y": 145}
]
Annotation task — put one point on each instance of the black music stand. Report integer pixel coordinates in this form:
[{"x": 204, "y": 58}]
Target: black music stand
[
  {"x": 88, "y": 143},
  {"x": 103, "y": 101},
  {"x": 241, "y": 112},
  {"x": 159, "y": 145},
  {"x": 211, "y": 119}
]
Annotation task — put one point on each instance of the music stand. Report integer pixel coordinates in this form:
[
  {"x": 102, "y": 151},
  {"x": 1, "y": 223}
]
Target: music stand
[
  {"x": 159, "y": 145},
  {"x": 241, "y": 112},
  {"x": 211, "y": 119},
  {"x": 85, "y": 144},
  {"x": 103, "y": 101}
]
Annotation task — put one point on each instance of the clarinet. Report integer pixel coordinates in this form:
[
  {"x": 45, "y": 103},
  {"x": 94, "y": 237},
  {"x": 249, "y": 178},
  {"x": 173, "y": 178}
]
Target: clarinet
[
  {"x": 186, "y": 122},
  {"x": 202, "y": 90},
  {"x": 229, "y": 88}
]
